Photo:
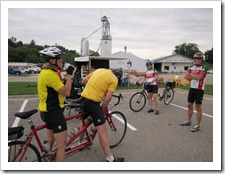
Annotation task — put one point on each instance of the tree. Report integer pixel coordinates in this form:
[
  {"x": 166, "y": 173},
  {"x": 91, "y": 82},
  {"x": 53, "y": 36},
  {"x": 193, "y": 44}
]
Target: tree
[
  {"x": 209, "y": 56},
  {"x": 186, "y": 49}
]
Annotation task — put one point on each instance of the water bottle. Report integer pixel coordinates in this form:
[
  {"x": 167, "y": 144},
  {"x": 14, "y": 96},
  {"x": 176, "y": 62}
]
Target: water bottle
[
  {"x": 88, "y": 119},
  {"x": 92, "y": 131},
  {"x": 65, "y": 66},
  {"x": 73, "y": 132},
  {"x": 46, "y": 146}
]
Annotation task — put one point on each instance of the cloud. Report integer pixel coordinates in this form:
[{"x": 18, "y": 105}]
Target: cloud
[{"x": 146, "y": 31}]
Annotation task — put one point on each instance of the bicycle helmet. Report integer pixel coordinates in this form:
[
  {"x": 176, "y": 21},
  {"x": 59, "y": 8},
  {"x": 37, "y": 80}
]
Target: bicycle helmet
[
  {"x": 198, "y": 55},
  {"x": 148, "y": 63},
  {"x": 51, "y": 52}
]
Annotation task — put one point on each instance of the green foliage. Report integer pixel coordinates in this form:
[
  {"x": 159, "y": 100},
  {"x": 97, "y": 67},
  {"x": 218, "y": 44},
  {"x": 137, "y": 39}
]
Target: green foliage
[
  {"x": 186, "y": 49},
  {"x": 209, "y": 56},
  {"x": 190, "y": 49},
  {"x": 20, "y": 52}
]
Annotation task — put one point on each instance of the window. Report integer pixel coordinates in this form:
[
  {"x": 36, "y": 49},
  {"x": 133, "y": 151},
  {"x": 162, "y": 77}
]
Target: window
[
  {"x": 166, "y": 68},
  {"x": 186, "y": 68}
]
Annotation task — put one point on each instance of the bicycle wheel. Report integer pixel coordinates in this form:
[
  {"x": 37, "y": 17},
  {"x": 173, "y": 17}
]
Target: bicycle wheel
[
  {"x": 137, "y": 102},
  {"x": 116, "y": 127},
  {"x": 168, "y": 97},
  {"x": 15, "y": 150}
]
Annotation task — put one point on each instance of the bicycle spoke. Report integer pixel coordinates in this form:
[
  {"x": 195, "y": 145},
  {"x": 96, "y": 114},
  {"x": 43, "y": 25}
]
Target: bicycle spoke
[
  {"x": 117, "y": 126},
  {"x": 16, "y": 150},
  {"x": 137, "y": 102}
]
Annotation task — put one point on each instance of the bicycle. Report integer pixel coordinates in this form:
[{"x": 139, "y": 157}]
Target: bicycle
[
  {"x": 25, "y": 151},
  {"x": 138, "y": 100}
]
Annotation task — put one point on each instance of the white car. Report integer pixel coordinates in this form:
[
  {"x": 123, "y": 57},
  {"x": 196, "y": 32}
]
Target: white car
[
  {"x": 210, "y": 71},
  {"x": 24, "y": 70}
]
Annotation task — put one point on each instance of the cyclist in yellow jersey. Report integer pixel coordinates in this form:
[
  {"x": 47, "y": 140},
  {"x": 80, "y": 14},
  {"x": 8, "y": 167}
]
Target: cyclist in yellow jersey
[
  {"x": 98, "y": 91},
  {"x": 51, "y": 104}
]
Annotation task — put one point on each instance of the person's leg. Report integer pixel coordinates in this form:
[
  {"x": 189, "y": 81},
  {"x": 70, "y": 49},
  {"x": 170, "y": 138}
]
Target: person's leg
[
  {"x": 50, "y": 137},
  {"x": 60, "y": 139},
  {"x": 190, "y": 111},
  {"x": 150, "y": 100},
  {"x": 155, "y": 96},
  {"x": 199, "y": 113},
  {"x": 103, "y": 139}
]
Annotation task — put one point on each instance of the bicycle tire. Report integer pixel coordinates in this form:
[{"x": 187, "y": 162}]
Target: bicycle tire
[
  {"x": 168, "y": 97},
  {"x": 137, "y": 101},
  {"x": 116, "y": 128},
  {"x": 32, "y": 154}
]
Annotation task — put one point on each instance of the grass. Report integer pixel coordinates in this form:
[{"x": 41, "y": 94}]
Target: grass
[
  {"x": 22, "y": 88},
  {"x": 30, "y": 88}
]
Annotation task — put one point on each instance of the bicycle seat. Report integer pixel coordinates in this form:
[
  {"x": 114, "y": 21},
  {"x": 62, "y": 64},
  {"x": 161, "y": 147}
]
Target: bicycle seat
[
  {"x": 26, "y": 114},
  {"x": 75, "y": 103}
]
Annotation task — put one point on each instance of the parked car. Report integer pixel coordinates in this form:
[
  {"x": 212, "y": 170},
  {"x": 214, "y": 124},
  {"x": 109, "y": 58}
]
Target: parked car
[
  {"x": 14, "y": 71},
  {"x": 24, "y": 70},
  {"x": 34, "y": 69},
  {"x": 210, "y": 71}
]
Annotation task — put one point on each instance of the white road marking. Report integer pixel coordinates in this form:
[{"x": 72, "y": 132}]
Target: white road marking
[
  {"x": 122, "y": 121},
  {"x": 207, "y": 115},
  {"x": 17, "y": 120}
]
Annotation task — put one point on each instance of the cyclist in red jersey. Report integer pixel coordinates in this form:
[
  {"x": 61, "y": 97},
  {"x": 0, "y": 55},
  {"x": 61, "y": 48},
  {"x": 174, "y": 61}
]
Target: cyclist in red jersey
[
  {"x": 151, "y": 85},
  {"x": 196, "y": 74}
]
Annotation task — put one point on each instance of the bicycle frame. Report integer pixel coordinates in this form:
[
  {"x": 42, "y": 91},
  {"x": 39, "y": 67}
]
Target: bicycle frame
[{"x": 34, "y": 134}]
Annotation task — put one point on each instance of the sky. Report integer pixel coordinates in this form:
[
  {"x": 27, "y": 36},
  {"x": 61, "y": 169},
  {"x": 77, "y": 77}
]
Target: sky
[{"x": 146, "y": 32}]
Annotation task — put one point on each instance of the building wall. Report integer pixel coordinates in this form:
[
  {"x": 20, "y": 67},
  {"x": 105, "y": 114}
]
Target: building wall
[{"x": 174, "y": 63}]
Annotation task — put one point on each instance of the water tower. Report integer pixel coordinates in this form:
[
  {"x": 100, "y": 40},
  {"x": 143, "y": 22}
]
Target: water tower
[
  {"x": 106, "y": 40},
  {"x": 84, "y": 47}
]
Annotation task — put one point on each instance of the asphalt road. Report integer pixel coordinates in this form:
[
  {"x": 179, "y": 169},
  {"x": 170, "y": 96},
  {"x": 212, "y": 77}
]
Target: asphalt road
[{"x": 157, "y": 138}]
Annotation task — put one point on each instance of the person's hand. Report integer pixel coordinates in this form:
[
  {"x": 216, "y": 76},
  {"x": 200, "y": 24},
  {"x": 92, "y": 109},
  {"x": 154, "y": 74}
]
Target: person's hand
[{"x": 70, "y": 70}]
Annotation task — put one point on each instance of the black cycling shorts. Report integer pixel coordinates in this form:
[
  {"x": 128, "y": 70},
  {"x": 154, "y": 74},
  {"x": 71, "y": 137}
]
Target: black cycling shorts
[
  {"x": 55, "y": 120},
  {"x": 95, "y": 111},
  {"x": 152, "y": 88},
  {"x": 195, "y": 95}
]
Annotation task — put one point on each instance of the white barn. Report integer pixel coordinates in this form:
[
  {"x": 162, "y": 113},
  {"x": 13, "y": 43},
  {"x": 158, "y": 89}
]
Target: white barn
[
  {"x": 136, "y": 63},
  {"x": 172, "y": 63}
]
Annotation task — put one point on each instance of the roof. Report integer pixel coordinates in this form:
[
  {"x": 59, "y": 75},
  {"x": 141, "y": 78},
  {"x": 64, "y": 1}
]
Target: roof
[
  {"x": 115, "y": 56},
  {"x": 161, "y": 59},
  {"x": 87, "y": 58}
]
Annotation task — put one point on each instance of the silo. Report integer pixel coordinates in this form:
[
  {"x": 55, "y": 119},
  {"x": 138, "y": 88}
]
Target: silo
[
  {"x": 106, "y": 41},
  {"x": 84, "y": 47}
]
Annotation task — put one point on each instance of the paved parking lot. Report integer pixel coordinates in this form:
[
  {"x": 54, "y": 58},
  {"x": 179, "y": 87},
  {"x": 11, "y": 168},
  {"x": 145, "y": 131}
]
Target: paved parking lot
[{"x": 157, "y": 138}]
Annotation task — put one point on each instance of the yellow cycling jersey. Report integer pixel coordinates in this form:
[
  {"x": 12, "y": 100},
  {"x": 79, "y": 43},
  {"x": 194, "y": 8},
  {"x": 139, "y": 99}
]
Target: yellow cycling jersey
[
  {"x": 48, "y": 84},
  {"x": 101, "y": 81}
]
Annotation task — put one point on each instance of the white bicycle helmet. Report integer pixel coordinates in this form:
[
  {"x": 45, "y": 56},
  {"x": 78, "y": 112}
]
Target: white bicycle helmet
[
  {"x": 51, "y": 52},
  {"x": 198, "y": 55}
]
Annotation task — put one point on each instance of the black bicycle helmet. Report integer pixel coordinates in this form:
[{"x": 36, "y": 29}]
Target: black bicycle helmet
[{"x": 51, "y": 52}]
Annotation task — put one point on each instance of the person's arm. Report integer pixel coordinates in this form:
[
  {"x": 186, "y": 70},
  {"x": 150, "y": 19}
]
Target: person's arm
[
  {"x": 139, "y": 74},
  {"x": 107, "y": 100},
  {"x": 187, "y": 76},
  {"x": 197, "y": 77},
  {"x": 86, "y": 78},
  {"x": 155, "y": 78},
  {"x": 65, "y": 90}
]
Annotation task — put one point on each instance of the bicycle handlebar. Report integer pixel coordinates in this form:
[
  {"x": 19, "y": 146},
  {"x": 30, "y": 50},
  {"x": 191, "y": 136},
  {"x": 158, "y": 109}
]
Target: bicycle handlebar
[{"x": 118, "y": 97}]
